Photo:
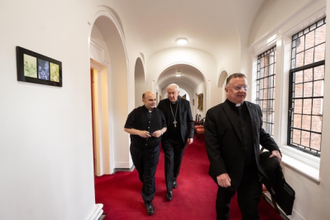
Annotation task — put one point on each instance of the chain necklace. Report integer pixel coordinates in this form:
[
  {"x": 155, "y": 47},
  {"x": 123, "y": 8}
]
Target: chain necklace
[{"x": 174, "y": 115}]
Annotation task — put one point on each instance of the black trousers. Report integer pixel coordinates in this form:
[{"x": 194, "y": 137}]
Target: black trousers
[
  {"x": 173, "y": 152},
  {"x": 248, "y": 197},
  {"x": 145, "y": 162}
]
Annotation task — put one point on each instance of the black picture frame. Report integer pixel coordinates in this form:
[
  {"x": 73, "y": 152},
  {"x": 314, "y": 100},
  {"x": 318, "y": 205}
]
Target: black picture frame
[{"x": 36, "y": 68}]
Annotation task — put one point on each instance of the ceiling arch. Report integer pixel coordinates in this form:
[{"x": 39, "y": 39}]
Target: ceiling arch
[
  {"x": 190, "y": 76},
  {"x": 215, "y": 26}
]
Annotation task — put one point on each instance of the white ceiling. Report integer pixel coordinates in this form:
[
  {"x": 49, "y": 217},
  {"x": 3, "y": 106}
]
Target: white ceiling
[
  {"x": 190, "y": 76},
  {"x": 209, "y": 26}
]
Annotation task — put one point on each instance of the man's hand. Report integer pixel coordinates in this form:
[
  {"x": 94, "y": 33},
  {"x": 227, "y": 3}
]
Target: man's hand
[
  {"x": 190, "y": 140},
  {"x": 144, "y": 134},
  {"x": 276, "y": 153},
  {"x": 224, "y": 180},
  {"x": 157, "y": 134}
]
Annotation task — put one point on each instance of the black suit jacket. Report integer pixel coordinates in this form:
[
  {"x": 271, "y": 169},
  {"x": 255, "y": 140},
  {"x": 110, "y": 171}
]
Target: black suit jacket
[
  {"x": 224, "y": 145},
  {"x": 186, "y": 119}
]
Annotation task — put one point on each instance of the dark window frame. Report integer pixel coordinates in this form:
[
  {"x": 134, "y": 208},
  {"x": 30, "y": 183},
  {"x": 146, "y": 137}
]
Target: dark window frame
[
  {"x": 266, "y": 75},
  {"x": 293, "y": 99}
]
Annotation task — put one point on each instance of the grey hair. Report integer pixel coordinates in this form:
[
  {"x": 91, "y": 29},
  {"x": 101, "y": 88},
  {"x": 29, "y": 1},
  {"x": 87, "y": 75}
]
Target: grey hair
[{"x": 173, "y": 85}]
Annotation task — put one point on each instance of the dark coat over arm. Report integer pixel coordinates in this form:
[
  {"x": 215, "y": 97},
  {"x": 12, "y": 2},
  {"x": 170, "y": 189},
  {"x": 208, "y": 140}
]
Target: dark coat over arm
[{"x": 224, "y": 144}]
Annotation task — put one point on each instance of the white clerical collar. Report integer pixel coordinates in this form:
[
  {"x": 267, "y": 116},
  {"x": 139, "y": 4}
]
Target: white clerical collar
[{"x": 238, "y": 104}]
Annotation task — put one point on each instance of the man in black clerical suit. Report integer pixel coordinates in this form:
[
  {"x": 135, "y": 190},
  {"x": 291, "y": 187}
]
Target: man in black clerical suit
[
  {"x": 180, "y": 132},
  {"x": 146, "y": 125},
  {"x": 233, "y": 135}
]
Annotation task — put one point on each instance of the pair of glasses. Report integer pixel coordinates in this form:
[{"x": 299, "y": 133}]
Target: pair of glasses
[{"x": 238, "y": 88}]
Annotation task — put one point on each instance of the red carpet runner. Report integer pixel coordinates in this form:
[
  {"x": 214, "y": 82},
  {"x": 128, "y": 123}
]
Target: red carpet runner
[{"x": 194, "y": 199}]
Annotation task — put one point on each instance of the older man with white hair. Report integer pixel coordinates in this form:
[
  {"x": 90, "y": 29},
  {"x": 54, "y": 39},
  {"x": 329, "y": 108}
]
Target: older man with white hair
[{"x": 180, "y": 132}]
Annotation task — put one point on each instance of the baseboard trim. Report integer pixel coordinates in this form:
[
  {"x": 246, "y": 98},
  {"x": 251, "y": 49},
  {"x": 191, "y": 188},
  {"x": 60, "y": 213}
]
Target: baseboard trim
[
  {"x": 282, "y": 214},
  {"x": 97, "y": 212},
  {"x": 124, "y": 169}
]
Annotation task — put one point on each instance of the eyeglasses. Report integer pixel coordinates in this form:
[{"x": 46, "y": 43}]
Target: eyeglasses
[{"x": 238, "y": 88}]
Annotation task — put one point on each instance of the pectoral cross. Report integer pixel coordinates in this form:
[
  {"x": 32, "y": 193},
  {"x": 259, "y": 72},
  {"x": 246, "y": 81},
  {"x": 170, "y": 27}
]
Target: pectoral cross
[{"x": 174, "y": 122}]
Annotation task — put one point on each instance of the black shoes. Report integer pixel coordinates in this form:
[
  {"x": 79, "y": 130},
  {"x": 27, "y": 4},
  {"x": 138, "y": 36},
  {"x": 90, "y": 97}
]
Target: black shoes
[
  {"x": 150, "y": 208},
  {"x": 169, "y": 195},
  {"x": 175, "y": 185}
]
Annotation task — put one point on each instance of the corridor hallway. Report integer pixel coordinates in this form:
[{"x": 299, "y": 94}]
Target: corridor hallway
[{"x": 194, "y": 199}]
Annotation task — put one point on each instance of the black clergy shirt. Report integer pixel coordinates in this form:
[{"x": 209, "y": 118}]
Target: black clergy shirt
[{"x": 141, "y": 119}]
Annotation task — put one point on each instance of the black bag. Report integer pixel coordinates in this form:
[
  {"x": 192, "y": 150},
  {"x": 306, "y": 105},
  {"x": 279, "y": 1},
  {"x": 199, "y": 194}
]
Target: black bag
[
  {"x": 285, "y": 197},
  {"x": 275, "y": 182}
]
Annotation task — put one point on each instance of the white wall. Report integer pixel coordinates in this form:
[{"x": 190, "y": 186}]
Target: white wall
[
  {"x": 107, "y": 32},
  {"x": 312, "y": 190},
  {"x": 139, "y": 78},
  {"x": 46, "y": 164},
  {"x": 196, "y": 58},
  {"x": 45, "y": 135}
]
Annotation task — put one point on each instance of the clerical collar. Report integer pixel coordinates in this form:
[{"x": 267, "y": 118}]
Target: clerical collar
[
  {"x": 234, "y": 104},
  {"x": 173, "y": 103},
  {"x": 148, "y": 109}
]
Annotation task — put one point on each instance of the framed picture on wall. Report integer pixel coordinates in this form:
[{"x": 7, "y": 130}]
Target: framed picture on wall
[
  {"x": 200, "y": 102},
  {"x": 36, "y": 68}
]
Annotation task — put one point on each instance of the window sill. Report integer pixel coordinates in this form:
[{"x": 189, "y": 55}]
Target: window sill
[{"x": 304, "y": 163}]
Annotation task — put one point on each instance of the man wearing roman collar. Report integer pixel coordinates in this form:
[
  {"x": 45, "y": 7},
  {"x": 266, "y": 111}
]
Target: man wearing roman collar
[
  {"x": 146, "y": 125},
  {"x": 180, "y": 132},
  {"x": 233, "y": 135}
]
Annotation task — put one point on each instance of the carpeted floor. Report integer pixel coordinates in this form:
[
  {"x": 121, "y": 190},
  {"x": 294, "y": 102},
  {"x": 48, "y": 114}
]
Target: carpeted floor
[{"x": 194, "y": 198}]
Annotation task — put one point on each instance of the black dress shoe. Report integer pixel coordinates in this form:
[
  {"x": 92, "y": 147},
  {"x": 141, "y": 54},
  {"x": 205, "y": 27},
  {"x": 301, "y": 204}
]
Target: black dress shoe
[
  {"x": 149, "y": 207},
  {"x": 169, "y": 195},
  {"x": 175, "y": 185}
]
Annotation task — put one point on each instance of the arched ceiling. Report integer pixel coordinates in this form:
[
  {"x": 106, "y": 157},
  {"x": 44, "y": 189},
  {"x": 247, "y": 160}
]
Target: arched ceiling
[
  {"x": 208, "y": 25},
  {"x": 212, "y": 26},
  {"x": 190, "y": 76}
]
